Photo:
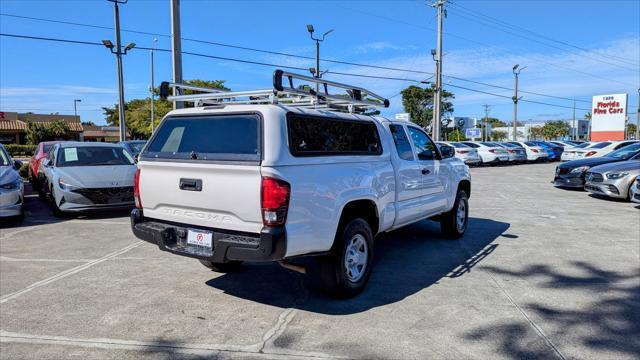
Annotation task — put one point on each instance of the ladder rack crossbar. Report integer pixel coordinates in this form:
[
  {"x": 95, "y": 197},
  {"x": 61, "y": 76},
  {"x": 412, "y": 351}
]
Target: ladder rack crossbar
[{"x": 284, "y": 92}]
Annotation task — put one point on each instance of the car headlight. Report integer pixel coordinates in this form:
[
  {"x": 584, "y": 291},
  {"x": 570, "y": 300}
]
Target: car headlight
[
  {"x": 12, "y": 185},
  {"x": 617, "y": 175},
  {"x": 579, "y": 169},
  {"x": 65, "y": 185}
]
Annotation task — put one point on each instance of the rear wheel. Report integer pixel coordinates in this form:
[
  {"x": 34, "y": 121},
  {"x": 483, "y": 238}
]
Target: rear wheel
[
  {"x": 453, "y": 224},
  {"x": 345, "y": 271},
  {"x": 230, "y": 266}
]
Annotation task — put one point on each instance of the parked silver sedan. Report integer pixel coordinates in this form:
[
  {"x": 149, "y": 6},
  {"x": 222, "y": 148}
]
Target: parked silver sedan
[
  {"x": 613, "y": 180},
  {"x": 11, "y": 186},
  {"x": 635, "y": 191},
  {"x": 89, "y": 176}
]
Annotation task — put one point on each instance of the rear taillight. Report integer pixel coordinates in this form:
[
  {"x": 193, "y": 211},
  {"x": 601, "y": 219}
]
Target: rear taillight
[
  {"x": 275, "y": 201},
  {"x": 591, "y": 153},
  {"x": 492, "y": 150},
  {"x": 510, "y": 151},
  {"x": 136, "y": 189},
  {"x": 534, "y": 150},
  {"x": 461, "y": 151}
]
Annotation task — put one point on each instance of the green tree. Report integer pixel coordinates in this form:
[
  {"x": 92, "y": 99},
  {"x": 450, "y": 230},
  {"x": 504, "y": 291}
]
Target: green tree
[
  {"x": 587, "y": 116},
  {"x": 555, "y": 129},
  {"x": 138, "y": 111},
  {"x": 495, "y": 122},
  {"x": 536, "y": 133},
  {"x": 418, "y": 102},
  {"x": 37, "y": 131},
  {"x": 631, "y": 130},
  {"x": 498, "y": 135}
]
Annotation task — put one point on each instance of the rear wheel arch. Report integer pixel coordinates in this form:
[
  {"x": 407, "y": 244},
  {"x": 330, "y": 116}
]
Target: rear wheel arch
[{"x": 365, "y": 209}]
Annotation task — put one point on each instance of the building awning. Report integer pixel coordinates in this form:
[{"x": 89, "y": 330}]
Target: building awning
[{"x": 12, "y": 126}]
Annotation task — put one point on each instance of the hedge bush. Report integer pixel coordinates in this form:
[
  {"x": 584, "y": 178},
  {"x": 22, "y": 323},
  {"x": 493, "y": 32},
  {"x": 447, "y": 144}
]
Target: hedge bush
[{"x": 16, "y": 150}]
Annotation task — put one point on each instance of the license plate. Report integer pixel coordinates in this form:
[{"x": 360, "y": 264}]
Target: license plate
[{"x": 200, "y": 238}]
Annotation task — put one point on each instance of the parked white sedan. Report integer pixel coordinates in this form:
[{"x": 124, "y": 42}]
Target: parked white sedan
[
  {"x": 534, "y": 152},
  {"x": 489, "y": 154},
  {"x": 570, "y": 153},
  {"x": 465, "y": 153},
  {"x": 602, "y": 148}
]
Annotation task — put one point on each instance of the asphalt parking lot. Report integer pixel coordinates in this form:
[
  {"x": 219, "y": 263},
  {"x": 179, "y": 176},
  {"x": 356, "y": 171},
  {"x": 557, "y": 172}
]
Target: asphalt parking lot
[{"x": 541, "y": 273}]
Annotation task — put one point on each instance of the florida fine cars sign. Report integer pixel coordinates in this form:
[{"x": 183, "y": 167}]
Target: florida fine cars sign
[{"x": 608, "y": 115}]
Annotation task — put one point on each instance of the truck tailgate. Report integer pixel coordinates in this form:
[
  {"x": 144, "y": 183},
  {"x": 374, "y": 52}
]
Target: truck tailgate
[{"x": 202, "y": 194}]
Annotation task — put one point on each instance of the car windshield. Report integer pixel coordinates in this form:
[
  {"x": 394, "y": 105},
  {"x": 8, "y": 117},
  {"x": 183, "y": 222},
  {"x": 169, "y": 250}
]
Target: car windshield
[
  {"x": 626, "y": 152},
  {"x": 472, "y": 145},
  {"x": 530, "y": 143},
  {"x": 136, "y": 147},
  {"x": 599, "y": 145},
  {"x": 4, "y": 158},
  {"x": 93, "y": 156}
]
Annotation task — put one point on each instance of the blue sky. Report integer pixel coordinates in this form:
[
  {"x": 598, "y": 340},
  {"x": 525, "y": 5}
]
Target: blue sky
[{"x": 45, "y": 77}]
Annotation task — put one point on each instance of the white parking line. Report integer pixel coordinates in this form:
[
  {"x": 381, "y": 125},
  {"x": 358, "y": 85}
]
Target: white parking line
[
  {"x": 206, "y": 350},
  {"x": 69, "y": 272}
]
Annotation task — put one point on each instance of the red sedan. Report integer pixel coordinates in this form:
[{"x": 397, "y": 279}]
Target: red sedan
[{"x": 34, "y": 165}]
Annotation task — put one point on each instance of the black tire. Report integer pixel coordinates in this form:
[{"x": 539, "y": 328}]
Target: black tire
[
  {"x": 353, "y": 241},
  {"x": 449, "y": 223},
  {"x": 230, "y": 266}
]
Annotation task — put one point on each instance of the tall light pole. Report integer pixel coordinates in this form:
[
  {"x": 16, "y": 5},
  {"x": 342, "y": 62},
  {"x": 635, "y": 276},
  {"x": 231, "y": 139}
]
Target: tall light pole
[
  {"x": 176, "y": 48},
  {"x": 316, "y": 72},
  {"x": 152, "y": 88},
  {"x": 438, "y": 90},
  {"x": 575, "y": 127},
  {"x": 75, "y": 108},
  {"x": 119, "y": 52},
  {"x": 638, "y": 118},
  {"x": 516, "y": 72}
]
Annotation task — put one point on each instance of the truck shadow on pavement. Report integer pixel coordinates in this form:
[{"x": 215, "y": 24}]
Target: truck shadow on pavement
[
  {"x": 607, "y": 325},
  {"x": 407, "y": 261}
]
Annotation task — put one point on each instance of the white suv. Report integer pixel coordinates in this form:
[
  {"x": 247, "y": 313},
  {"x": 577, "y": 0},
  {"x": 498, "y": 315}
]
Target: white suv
[{"x": 269, "y": 179}]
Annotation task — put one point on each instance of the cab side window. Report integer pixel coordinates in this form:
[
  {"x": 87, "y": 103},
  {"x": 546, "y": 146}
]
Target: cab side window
[
  {"x": 403, "y": 146},
  {"x": 425, "y": 148}
]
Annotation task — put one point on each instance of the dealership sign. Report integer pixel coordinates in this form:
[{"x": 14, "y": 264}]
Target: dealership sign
[{"x": 608, "y": 115}]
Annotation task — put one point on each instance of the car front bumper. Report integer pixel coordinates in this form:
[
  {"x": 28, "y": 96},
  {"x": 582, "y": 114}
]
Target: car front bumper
[
  {"x": 635, "y": 195},
  {"x": 615, "y": 188},
  {"x": 269, "y": 245},
  {"x": 11, "y": 202},
  {"x": 89, "y": 199},
  {"x": 569, "y": 180}
]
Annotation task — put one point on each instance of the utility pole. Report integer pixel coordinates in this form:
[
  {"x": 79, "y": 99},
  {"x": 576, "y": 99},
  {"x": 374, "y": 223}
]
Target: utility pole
[
  {"x": 575, "y": 127},
  {"x": 176, "y": 48},
  {"x": 119, "y": 52},
  {"x": 152, "y": 89},
  {"x": 316, "y": 71},
  {"x": 438, "y": 90},
  {"x": 485, "y": 134},
  {"x": 515, "y": 98}
]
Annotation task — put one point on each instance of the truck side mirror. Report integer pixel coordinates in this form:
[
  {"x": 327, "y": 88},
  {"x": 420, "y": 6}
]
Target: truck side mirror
[
  {"x": 447, "y": 151},
  {"x": 426, "y": 155}
]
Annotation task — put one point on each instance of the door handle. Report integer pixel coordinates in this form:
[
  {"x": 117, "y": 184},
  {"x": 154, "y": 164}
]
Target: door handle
[{"x": 426, "y": 171}]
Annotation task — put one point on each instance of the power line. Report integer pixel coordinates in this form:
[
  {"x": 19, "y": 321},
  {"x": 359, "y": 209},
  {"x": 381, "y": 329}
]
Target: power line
[
  {"x": 274, "y": 65},
  {"x": 516, "y": 27},
  {"x": 297, "y": 56},
  {"x": 494, "y": 24}
]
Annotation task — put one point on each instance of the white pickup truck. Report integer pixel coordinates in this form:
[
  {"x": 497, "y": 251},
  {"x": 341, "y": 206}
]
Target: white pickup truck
[{"x": 282, "y": 173}]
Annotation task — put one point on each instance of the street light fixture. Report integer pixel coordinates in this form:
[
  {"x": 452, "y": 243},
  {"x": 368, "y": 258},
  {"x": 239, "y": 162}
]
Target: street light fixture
[
  {"x": 152, "y": 87},
  {"x": 75, "y": 109},
  {"x": 317, "y": 73},
  {"x": 108, "y": 44}
]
